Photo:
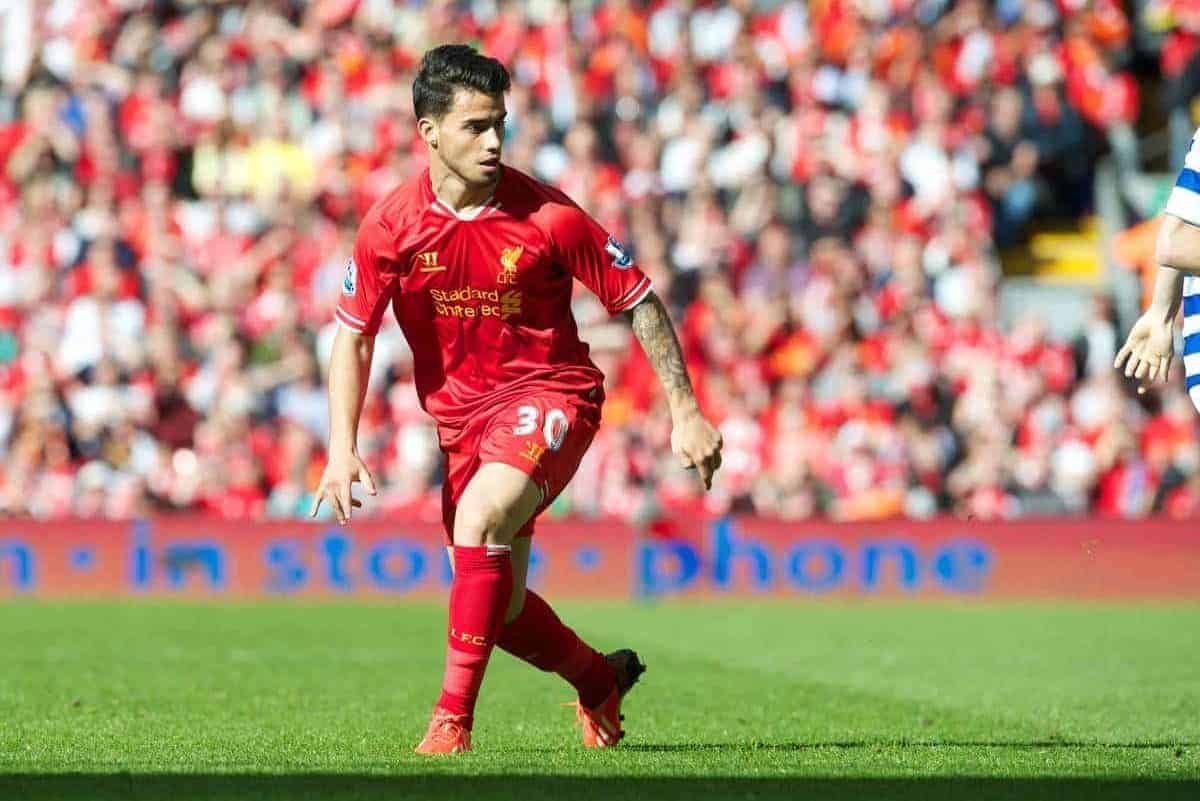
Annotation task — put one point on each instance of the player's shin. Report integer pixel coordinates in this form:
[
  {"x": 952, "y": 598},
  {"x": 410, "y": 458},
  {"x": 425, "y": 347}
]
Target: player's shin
[
  {"x": 478, "y": 598},
  {"x": 539, "y": 637}
]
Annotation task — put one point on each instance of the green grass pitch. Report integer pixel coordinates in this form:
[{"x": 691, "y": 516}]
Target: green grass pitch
[{"x": 141, "y": 700}]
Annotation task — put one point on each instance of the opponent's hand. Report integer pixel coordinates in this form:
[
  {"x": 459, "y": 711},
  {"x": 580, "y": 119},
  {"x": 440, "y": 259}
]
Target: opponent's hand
[
  {"x": 1148, "y": 351},
  {"x": 697, "y": 444},
  {"x": 340, "y": 473}
]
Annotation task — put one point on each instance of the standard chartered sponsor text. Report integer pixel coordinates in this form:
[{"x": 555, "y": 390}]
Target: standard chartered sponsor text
[{"x": 469, "y": 302}]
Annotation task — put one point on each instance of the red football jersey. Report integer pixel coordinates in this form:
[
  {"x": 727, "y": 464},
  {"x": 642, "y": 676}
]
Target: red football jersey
[{"x": 485, "y": 302}]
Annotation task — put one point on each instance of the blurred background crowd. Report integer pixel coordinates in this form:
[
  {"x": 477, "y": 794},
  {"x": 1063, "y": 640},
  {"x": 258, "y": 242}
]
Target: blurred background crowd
[{"x": 820, "y": 190}]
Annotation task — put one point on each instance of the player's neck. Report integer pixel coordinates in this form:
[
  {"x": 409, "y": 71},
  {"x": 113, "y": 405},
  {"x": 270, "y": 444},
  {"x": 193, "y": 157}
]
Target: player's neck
[{"x": 455, "y": 192}]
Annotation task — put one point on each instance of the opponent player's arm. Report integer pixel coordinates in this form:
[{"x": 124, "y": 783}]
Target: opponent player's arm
[
  {"x": 1177, "y": 249},
  {"x": 1150, "y": 348},
  {"x": 1168, "y": 279},
  {"x": 349, "y": 371},
  {"x": 693, "y": 438}
]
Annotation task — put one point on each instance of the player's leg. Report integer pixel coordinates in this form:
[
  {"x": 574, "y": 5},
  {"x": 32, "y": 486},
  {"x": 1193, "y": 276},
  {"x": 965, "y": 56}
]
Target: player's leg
[
  {"x": 520, "y": 570},
  {"x": 496, "y": 503},
  {"x": 520, "y": 566},
  {"x": 534, "y": 633},
  {"x": 539, "y": 637}
]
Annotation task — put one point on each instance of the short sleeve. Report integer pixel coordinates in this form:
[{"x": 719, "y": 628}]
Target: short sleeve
[
  {"x": 1184, "y": 201},
  {"x": 370, "y": 280},
  {"x": 601, "y": 264}
]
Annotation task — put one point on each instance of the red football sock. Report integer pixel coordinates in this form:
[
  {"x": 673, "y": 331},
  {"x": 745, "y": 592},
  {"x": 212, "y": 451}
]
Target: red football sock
[
  {"x": 541, "y": 639},
  {"x": 478, "y": 599}
]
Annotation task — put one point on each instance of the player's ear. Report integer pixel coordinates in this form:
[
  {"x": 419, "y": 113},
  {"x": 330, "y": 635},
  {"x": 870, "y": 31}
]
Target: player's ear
[{"x": 428, "y": 130}]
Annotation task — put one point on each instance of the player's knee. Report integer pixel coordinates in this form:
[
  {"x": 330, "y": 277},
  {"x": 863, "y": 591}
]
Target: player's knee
[{"x": 483, "y": 523}]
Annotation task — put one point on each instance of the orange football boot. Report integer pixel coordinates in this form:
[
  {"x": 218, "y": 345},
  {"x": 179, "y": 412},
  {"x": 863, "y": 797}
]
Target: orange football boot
[
  {"x": 448, "y": 734},
  {"x": 602, "y": 725}
]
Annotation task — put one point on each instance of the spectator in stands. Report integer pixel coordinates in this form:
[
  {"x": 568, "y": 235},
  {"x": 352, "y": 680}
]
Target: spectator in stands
[{"x": 817, "y": 188}]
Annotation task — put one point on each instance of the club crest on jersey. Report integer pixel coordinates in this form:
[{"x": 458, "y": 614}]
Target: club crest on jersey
[
  {"x": 349, "y": 282},
  {"x": 621, "y": 259},
  {"x": 508, "y": 264}
]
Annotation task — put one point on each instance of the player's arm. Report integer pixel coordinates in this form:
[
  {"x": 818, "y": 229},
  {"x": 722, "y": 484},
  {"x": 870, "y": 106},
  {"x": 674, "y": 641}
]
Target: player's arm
[
  {"x": 694, "y": 439},
  {"x": 349, "y": 371},
  {"x": 1150, "y": 347},
  {"x": 367, "y": 288},
  {"x": 582, "y": 245},
  {"x": 1177, "y": 248}
]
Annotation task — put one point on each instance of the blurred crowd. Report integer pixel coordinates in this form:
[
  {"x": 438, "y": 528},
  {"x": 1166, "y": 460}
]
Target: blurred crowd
[
  {"x": 1176, "y": 24},
  {"x": 818, "y": 189}
]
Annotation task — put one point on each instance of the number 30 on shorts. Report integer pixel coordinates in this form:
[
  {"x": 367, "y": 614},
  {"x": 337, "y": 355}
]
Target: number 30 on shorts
[{"x": 554, "y": 429}]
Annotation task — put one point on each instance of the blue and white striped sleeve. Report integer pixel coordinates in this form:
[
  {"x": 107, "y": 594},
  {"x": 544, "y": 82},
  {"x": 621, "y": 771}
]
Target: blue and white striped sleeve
[
  {"x": 1191, "y": 337},
  {"x": 1184, "y": 201}
]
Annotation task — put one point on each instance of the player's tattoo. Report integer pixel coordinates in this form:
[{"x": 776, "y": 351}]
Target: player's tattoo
[{"x": 652, "y": 327}]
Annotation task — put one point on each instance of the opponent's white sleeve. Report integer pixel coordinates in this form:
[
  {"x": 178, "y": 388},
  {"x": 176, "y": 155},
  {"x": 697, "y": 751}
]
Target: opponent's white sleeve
[{"x": 1184, "y": 203}]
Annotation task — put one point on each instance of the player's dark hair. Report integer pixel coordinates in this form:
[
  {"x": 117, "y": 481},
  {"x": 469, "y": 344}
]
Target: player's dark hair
[{"x": 449, "y": 67}]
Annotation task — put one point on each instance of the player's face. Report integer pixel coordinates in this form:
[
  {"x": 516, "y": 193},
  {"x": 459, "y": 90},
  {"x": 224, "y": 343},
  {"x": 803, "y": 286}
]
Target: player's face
[{"x": 469, "y": 137}]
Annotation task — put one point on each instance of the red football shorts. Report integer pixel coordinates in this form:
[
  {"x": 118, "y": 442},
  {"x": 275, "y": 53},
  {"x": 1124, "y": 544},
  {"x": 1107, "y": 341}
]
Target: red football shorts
[{"x": 544, "y": 435}]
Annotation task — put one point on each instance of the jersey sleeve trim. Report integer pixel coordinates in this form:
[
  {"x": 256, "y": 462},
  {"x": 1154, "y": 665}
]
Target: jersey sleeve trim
[
  {"x": 350, "y": 321},
  {"x": 634, "y": 296}
]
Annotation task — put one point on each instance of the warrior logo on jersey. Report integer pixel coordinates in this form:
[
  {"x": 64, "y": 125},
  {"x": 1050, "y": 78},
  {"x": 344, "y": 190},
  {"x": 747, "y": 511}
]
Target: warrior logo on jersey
[
  {"x": 429, "y": 262},
  {"x": 533, "y": 452},
  {"x": 621, "y": 259},
  {"x": 348, "y": 283},
  {"x": 508, "y": 264}
]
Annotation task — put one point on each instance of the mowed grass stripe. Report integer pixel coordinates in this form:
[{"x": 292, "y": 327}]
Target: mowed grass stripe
[
  {"x": 1094, "y": 673},
  {"x": 339, "y": 688}
]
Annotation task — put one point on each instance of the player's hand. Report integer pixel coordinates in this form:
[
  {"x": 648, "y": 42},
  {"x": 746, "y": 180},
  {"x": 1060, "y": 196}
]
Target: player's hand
[
  {"x": 1149, "y": 350},
  {"x": 697, "y": 444},
  {"x": 340, "y": 473}
]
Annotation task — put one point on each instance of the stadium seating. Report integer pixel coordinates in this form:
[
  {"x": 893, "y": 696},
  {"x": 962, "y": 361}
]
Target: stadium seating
[{"x": 819, "y": 189}]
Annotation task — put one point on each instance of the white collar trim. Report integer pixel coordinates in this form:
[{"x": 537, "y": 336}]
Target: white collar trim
[{"x": 473, "y": 213}]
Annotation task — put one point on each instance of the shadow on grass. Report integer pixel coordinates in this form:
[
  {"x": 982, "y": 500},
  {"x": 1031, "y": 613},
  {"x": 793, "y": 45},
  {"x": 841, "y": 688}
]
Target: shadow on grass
[
  {"x": 881, "y": 744},
  {"x": 358, "y": 787}
]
